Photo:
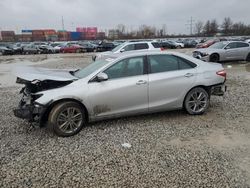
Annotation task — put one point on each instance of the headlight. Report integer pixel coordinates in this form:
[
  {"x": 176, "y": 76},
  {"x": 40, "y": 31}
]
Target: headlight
[
  {"x": 204, "y": 54},
  {"x": 36, "y": 96}
]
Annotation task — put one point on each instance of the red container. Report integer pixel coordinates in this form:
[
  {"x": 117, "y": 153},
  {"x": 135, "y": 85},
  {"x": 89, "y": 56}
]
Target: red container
[
  {"x": 7, "y": 33},
  {"x": 37, "y": 32},
  {"x": 81, "y": 29}
]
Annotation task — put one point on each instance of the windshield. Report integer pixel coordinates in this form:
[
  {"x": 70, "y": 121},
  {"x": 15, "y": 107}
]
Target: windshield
[
  {"x": 82, "y": 73},
  {"x": 219, "y": 45},
  {"x": 117, "y": 48}
]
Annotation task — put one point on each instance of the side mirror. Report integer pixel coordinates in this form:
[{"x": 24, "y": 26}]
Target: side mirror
[
  {"x": 227, "y": 47},
  {"x": 122, "y": 50},
  {"x": 102, "y": 77}
]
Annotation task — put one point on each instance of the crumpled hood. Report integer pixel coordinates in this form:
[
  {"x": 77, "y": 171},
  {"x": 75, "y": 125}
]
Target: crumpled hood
[
  {"x": 207, "y": 50},
  {"x": 36, "y": 73}
]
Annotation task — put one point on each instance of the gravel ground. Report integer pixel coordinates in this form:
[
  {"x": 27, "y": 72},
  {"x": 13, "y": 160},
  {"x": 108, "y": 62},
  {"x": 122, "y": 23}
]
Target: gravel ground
[{"x": 170, "y": 149}]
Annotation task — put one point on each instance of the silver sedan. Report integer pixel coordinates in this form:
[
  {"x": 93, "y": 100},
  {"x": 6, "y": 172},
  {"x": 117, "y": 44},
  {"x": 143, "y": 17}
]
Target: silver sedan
[
  {"x": 124, "y": 85},
  {"x": 224, "y": 51}
]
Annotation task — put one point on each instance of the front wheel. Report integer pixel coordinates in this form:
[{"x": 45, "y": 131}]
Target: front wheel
[
  {"x": 214, "y": 58},
  {"x": 196, "y": 101},
  {"x": 67, "y": 119}
]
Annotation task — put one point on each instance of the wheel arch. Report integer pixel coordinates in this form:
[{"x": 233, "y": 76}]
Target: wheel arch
[
  {"x": 207, "y": 89},
  {"x": 45, "y": 115}
]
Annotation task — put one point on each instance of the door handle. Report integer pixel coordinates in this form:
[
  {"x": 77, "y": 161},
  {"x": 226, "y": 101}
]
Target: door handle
[
  {"x": 189, "y": 75},
  {"x": 140, "y": 82}
]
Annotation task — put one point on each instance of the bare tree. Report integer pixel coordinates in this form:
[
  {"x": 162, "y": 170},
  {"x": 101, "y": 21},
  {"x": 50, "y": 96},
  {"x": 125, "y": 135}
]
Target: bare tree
[
  {"x": 214, "y": 27},
  {"x": 206, "y": 28},
  {"x": 199, "y": 27},
  {"x": 227, "y": 25}
]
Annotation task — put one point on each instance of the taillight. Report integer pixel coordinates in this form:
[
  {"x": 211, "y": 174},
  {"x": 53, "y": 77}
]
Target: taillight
[{"x": 222, "y": 73}]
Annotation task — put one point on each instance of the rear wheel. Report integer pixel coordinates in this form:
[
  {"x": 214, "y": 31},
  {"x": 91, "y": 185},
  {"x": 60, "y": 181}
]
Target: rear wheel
[
  {"x": 196, "y": 101},
  {"x": 67, "y": 119},
  {"x": 214, "y": 58}
]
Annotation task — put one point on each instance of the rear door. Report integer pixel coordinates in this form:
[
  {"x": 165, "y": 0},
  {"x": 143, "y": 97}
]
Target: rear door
[
  {"x": 170, "y": 78},
  {"x": 232, "y": 51},
  {"x": 125, "y": 92},
  {"x": 243, "y": 50}
]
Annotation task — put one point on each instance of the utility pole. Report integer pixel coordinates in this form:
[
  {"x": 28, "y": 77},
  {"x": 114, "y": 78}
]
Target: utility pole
[
  {"x": 62, "y": 23},
  {"x": 190, "y": 24}
]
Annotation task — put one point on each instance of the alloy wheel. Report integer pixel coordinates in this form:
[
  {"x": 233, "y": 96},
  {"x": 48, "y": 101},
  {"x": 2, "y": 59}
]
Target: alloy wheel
[{"x": 69, "y": 120}]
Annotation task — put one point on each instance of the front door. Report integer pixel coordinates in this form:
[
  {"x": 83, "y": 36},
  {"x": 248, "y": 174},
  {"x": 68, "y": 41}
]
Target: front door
[{"x": 125, "y": 92}]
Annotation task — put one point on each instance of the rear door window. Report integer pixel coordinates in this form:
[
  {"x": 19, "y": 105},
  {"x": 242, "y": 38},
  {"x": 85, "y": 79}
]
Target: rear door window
[
  {"x": 163, "y": 63},
  {"x": 141, "y": 46},
  {"x": 156, "y": 44}
]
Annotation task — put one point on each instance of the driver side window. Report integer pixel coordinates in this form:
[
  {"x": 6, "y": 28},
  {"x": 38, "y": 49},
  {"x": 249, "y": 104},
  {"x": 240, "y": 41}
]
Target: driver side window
[
  {"x": 231, "y": 45},
  {"x": 129, "y": 47},
  {"x": 126, "y": 68}
]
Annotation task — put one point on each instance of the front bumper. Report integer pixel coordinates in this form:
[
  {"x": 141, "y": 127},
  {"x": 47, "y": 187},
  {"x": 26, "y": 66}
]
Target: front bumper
[
  {"x": 32, "y": 113},
  {"x": 199, "y": 56}
]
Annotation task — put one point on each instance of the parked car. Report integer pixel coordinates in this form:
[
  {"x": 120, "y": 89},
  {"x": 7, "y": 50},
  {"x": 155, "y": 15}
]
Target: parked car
[
  {"x": 6, "y": 51},
  {"x": 72, "y": 48},
  {"x": 176, "y": 44},
  {"x": 167, "y": 45},
  {"x": 47, "y": 49},
  {"x": 129, "y": 84},
  {"x": 248, "y": 40},
  {"x": 130, "y": 46},
  {"x": 224, "y": 51},
  {"x": 31, "y": 49},
  {"x": 190, "y": 43},
  {"x": 207, "y": 43},
  {"x": 105, "y": 46},
  {"x": 88, "y": 47}
]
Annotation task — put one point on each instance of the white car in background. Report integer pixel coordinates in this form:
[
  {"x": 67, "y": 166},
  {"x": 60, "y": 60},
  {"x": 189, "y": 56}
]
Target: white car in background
[
  {"x": 224, "y": 51},
  {"x": 129, "y": 46}
]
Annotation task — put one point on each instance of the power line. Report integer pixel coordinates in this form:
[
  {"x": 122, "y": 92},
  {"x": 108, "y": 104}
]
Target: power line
[{"x": 190, "y": 24}]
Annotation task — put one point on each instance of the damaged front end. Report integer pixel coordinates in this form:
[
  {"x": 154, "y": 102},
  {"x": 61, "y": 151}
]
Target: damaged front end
[{"x": 28, "y": 108}]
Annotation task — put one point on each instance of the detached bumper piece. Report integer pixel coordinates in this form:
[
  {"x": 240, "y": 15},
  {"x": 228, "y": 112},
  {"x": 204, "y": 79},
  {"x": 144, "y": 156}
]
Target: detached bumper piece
[
  {"x": 218, "y": 90},
  {"x": 32, "y": 113}
]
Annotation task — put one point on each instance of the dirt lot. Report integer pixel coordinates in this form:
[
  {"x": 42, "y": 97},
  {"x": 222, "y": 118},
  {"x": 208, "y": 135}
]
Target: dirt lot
[{"x": 170, "y": 149}]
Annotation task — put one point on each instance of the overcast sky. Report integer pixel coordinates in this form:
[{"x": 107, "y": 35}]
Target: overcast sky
[{"x": 34, "y": 14}]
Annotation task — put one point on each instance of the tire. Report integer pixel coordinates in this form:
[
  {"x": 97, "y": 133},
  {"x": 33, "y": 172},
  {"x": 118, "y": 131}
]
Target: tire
[
  {"x": 214, "y": 58},
  {"x": 248, "y": 58},
  {"x": 62, "y": 123},
  {"x": 196, "y": 101}
]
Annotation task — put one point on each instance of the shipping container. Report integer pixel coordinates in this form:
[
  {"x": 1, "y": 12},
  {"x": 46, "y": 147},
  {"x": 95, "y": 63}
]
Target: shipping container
[
  {"x": 81, "y": 29},
  {"x": 75, "y": 35},
  {"x": 23, "y": 38},
  {"x": 8, "y": 38},
  {"x": 51, "y": 37},
  {"x": 91, "y": 29},
  {"x": 7, "y": 34},
  {"x": 37, "y": 32}
]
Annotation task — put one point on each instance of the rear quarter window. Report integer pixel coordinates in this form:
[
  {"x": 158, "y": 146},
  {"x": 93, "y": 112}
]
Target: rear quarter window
[{"x": 156, "y": 44}]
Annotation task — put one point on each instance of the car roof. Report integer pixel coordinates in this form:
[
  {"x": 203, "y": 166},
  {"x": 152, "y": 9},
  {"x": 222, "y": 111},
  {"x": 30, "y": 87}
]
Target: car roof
[{"x": 143, "y": 53}]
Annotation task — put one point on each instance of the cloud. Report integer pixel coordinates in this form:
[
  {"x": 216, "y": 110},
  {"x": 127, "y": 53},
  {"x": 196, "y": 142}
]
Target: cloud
[{"x": 30, "y": 14}]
